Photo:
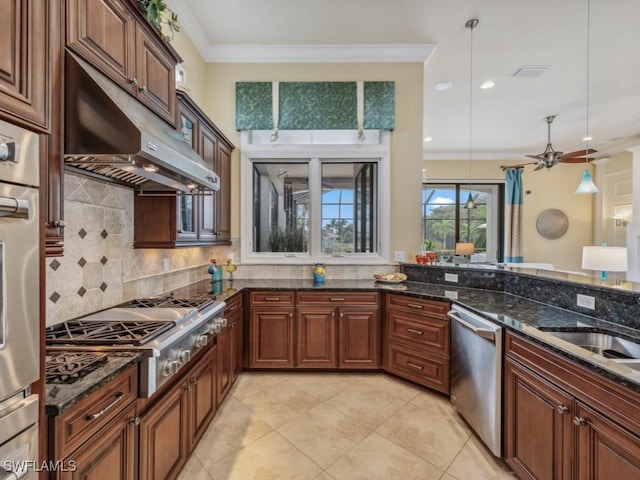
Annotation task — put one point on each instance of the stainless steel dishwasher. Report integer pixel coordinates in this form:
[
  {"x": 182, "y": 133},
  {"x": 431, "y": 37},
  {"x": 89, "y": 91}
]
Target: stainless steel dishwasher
[{"x": 476, "y": 374}]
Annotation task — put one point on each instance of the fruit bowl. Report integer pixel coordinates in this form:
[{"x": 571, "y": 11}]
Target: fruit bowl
[{"x": 395, "y": 277}]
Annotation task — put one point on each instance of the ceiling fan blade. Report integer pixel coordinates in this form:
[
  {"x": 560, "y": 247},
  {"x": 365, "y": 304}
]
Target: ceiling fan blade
[
  {"x": 537, "y": 157},
  {"x": 576, "y": 160},
  {"x": 539, "y": 167},
  {"x": 579, "y": 153}
]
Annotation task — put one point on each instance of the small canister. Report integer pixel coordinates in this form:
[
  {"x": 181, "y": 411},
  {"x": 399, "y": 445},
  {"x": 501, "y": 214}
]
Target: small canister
[{"x": 319, "y": 272}]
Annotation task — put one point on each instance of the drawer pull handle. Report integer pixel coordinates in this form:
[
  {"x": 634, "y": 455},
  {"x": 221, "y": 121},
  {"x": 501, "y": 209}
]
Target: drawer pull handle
[
  {"x": 579, "y": 421},
  {"x": 413, "y": 365},
  {"x": 290, "y": 314},
  {"x": 337, "y": 299},
  {"x": 272, "y": 299},
  {"x": 417, "y": 332},
  {"x": 232, "y": 308},
  {"x": 134, "y": 420},
  {"x": 119, "y": 397},
  {"x": 415, "y": 305},
  {"x": 562, "y": 409}
]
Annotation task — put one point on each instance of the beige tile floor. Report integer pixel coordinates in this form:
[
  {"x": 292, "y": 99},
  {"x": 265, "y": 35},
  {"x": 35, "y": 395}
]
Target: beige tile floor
[{"x": 338, "y": 426}]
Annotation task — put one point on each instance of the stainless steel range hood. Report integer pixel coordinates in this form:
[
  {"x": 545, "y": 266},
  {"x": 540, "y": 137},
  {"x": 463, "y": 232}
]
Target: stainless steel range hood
[{"x": 110, "y": 134}]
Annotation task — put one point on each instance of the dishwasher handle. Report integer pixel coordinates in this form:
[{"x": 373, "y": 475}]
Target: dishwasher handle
[{"x": 481, "y": 332}]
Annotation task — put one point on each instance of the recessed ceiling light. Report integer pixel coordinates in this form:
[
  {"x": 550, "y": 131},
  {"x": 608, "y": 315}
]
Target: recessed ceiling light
[
  {"x": 488, "y": 84},
  {"x": 427, "y": 139},
  {"x": 588, "y": 138},
  {"x": 443, "y": 85}
]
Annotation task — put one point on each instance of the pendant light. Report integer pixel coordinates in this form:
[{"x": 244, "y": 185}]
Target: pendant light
[
  {"x": 586, "y": 185},
  {"x": 471, "y": 24}
]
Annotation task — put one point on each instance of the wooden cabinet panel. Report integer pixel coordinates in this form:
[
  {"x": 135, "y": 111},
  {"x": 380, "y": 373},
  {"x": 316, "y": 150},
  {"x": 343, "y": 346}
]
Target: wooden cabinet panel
[
  {"x": 538, "y": 442},
  {"x": 359, "y": 337},
  {"x": 222, "y": 198},
  {"x": 428, "y": 332},
  {"x": 606, "y": 450},
  {"x": 110, "y": 455},
  {"x": 208, "y": 148},
  {"x": 337, "y": 298},
  {"x": 276, "y": 298},
  {"x": 271, "y": 337},
  {"x": 234, "y": 312},
  {"x": 156, "y": 76},
  {"x": 24, "y": 62},
  {"x": 432, "y": 371},
  {"x": 163, "y": 442},
  {"x": 316, "y": 337},
  {"x": 224, "y": 364},
  {"x": 202, "y": 385},
  {"x": 103, "y": 32},
  {"x": 432, "y": 308}
]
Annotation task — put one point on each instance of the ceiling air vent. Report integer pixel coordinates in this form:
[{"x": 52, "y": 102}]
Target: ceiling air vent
[{"x": 529, "y": 71}]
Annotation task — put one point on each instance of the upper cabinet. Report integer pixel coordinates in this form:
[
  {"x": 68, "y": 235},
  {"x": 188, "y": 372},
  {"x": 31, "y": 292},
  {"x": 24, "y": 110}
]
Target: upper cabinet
[
  {"x": 107, "y": 34},
  {"x": 24, "y": 63}
]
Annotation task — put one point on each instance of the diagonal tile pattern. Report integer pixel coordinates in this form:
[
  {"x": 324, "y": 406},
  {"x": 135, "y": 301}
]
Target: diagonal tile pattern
[{"x": 338, "y": 426}]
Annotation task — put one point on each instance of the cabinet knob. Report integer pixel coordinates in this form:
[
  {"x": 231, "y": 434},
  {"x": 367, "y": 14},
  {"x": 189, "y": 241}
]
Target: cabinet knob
[
  {"x": 134, "y": 420},
  {"x": 193, "y": 381},
  {"x": 142, "y": 88},
  {"x": 562, "y": 409},
  {"x": 133, "y": 81},
  {"x": 59, "y": 223},
  {"x": 579, "y": 421}
]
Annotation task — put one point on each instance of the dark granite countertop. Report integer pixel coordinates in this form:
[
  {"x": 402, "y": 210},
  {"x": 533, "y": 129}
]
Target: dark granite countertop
[
  {"x": 511, "y": 311},
  {"x": 61, "y": 397}
]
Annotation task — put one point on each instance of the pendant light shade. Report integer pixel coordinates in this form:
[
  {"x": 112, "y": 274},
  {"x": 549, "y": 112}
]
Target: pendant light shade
[
  {"x": 470, "y": 203},
  {"x": 587, "y": 185}
]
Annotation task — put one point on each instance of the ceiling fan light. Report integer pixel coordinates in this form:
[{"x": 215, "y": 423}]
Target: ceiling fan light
[
  {"x": 586, "y": 185},
  {"x": 588, "y": 138},
  {"x": 470, "y": 203},
  {"x": 487, "y": 85}
]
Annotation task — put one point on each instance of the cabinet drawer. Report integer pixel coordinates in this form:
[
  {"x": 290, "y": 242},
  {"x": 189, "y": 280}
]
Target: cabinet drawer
[
  {"x": 274, "y": 297},
  {"x": 433, "y": 308},
  {"x": 234, "y": 304},
  {"x": 429, "y": 370},
  {"x": 418, "y": 330},
  {"x": 98, "y": 409},
  {"x": 337, "y": 298}
]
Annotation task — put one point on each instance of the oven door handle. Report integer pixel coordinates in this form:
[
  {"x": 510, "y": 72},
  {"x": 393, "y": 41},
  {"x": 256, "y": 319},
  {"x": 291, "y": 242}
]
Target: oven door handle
[
  {"x": 481, "y": 332},
  {"x": 14, "y": 208}
]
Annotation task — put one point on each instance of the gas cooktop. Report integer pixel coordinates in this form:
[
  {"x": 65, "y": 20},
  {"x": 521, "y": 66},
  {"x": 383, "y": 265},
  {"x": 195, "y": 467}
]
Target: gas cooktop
[
  {"x": 81, "y": 332},
  {"x": 68, "y": 367}
]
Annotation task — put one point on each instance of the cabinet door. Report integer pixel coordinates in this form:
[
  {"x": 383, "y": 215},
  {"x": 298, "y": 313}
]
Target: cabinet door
[
  {"x": 224, "y": 365},
  {"x": 605, "y": 450},
  {"x": 271, "y": 338},
  {"x": 156, "y": 76},
  {"x": 207, "y": 148},
  {"x": 538, "y": 426},
  {"x": 234, "y": 318},
  {"x": 316, "y": 337},
  {"x": 24, "y": 68},
  {"x": 222, "y": 198},
  {"x": 202, "y": 402},
  {"x": 163, "y": 442},
  {"x": 359, "y": 337},
  {"x": 111, "y": 453},
  {"x": 103, "y": 32}
]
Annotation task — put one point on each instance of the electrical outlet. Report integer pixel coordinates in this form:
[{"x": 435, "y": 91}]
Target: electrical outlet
[
  {"x": 451, "y": 294},
  {"x": 398, "y": 256},
  {"x": 585, "y": 301},
  {"x": 230, "y": 257},
  {"x": 451, "y": 277},
  {"x": 166, "y": 264}
]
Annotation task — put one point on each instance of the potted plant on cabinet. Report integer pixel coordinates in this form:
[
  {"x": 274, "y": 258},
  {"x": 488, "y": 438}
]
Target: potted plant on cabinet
[{"x": 428, "y": 251}]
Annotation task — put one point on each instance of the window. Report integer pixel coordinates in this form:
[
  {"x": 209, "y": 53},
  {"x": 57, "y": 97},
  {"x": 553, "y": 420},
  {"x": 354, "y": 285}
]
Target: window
[
  {"x": 326, "y": 205},
  {"x": 447, "y": 222}
]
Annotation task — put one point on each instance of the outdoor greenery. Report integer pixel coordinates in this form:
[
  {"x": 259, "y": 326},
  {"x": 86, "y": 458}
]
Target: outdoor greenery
[
  {"x": 337, "y": 236},
  {"x": 293, "y": 240},
  {"x": 440, "y": 227}
]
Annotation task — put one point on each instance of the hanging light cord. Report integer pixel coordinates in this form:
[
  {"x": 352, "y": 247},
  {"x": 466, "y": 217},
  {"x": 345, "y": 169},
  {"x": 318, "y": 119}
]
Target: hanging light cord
[
  {"x": 471, "y": 24},
  {"x": 586, "y": 148}
]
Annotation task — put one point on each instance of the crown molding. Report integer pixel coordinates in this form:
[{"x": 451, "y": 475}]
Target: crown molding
[
  {"x": 477, "y": 156},
  {"x": 190, "y": 26}
]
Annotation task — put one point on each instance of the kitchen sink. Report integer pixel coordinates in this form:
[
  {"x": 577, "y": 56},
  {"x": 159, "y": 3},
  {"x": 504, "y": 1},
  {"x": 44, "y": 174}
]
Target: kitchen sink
[{"x": 605, "y": 344}]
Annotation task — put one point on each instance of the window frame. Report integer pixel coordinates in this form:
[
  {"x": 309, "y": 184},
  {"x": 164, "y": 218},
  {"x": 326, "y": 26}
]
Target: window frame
[{"x": 349, "y": 153}]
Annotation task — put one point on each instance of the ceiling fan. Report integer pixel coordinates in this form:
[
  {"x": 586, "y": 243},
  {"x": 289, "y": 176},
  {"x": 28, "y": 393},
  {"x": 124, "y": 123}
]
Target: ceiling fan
[{"x": 551, "y": 157}]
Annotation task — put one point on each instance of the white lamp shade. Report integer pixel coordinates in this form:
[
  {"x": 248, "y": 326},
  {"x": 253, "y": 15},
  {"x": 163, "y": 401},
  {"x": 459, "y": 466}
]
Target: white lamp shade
[
  {"x": 609, "y": 259},
  {"x": 465, "y": 249}
]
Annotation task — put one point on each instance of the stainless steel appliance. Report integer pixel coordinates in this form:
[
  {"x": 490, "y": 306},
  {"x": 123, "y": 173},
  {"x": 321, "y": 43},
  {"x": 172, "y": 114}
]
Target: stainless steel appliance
[
  {"x": 167, "y": 330},
  {"x": 19, "y": 305},
  {"x": 476, "y": 374}
]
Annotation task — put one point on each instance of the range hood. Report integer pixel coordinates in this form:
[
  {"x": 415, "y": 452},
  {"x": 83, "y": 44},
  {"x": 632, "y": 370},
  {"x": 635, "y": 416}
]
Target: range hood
[{"x": 111, "y": 135}]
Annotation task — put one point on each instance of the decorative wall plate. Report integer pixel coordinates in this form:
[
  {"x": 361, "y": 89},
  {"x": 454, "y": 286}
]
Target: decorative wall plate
[{"x": 552, "y": 223}]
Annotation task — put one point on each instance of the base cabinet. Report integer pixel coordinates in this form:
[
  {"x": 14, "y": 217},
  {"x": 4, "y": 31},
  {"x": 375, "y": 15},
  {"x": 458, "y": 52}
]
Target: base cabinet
[
  {"x": 234, "y": 312},
  {"x": 358, "y": 337},
  {"x": 564, "y": 421},
  {"x": 224, "y": 364}
]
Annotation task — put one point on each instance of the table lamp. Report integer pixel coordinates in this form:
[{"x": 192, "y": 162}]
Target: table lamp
[
  {"x": 464, "y": 250},
  {"x": 606, "y": 259}
]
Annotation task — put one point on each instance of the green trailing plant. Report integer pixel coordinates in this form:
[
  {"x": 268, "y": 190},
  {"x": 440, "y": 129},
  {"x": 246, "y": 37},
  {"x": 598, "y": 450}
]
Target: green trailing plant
[
  {"x": 287, "y": 241},
  {"x": 161, "y": 15}
]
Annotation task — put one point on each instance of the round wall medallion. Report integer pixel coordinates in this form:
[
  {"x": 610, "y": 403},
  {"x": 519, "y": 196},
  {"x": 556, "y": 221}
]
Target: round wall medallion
[{"x": 552, "y": 223}]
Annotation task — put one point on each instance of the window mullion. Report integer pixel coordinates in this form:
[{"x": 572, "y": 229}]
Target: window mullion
[{"x": 315, "y": 207}]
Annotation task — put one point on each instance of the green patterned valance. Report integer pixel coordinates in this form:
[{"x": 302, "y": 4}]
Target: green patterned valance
[{"x": 314, "y": 105}]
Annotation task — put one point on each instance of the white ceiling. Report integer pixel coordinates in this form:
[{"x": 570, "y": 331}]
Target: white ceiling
[{"x": 508, "y": 119}]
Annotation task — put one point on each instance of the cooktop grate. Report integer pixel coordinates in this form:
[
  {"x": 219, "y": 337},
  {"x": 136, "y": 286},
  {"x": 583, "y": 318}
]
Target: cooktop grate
[
  {"x": 68, "y": 367},
  {"x": 81, "y": 332},
  {"x": 198, "y": 301}
]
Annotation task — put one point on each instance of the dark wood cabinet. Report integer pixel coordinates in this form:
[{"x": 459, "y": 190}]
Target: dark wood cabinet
[
  {"x": 108, "y": 34},
  {"x": 224, "y": 364},
  {"x": 271, "y": 339},
  {"x": 202, "y": 388},
  {"x": 416, "y": 345},
  {"x": 234, "y": 313},
  {"x": 316, "y": 337},
  {"x": 25, "y": 77},
  {"x": 190, "y": 220},
  {"x": 359, "y": 337},
  {"x": 565, "y": 421}
]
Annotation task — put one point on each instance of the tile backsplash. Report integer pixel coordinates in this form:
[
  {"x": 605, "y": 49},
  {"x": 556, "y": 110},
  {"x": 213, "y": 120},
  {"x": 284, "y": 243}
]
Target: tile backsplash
[{"x": 100, "y": 268}]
